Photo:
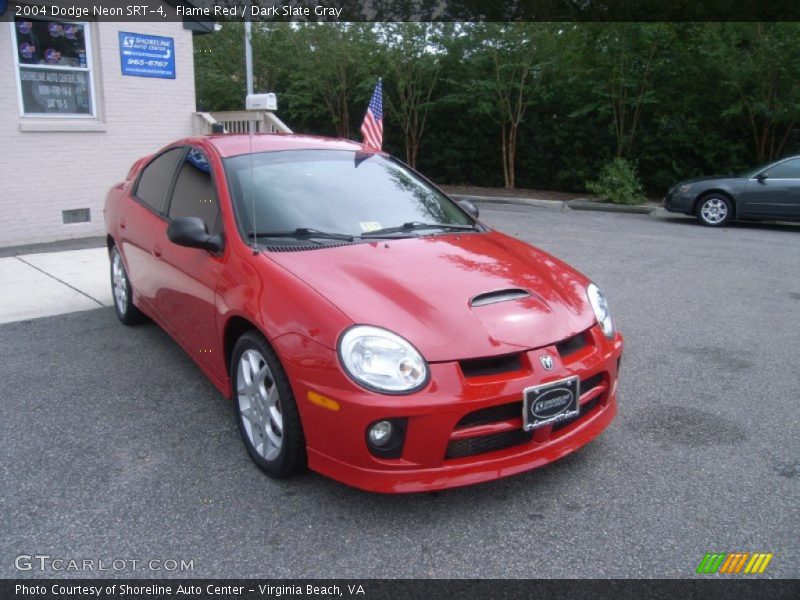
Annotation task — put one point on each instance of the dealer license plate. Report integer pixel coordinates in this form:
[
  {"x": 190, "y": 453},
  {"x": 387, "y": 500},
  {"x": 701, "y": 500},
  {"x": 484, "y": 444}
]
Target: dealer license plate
[{"x": 550, "y": 403}]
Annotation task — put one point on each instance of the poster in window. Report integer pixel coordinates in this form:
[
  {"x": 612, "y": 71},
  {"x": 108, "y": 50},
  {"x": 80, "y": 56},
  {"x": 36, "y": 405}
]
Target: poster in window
[
  {"x": 52, "y": 43},
  {"x": 55, "y": 91}
]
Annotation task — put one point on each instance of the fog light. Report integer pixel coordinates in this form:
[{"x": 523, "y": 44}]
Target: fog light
[{"x": 380, "y": 433}]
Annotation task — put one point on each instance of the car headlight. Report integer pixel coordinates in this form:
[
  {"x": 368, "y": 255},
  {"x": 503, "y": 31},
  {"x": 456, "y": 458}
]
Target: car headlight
[
  {"x": 685, "y": 188},
  {"x": 600, "y": 307},
  {"x": 381, "y": 360}
]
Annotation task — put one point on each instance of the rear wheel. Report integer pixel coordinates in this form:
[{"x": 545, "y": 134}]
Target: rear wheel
[
  {"x": 267, "y": 413},
  {"x": 122, "y": 292},
  {"x": 714, "y": 210}
]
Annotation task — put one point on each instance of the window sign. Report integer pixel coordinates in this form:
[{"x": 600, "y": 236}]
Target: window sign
[
  {"x": 65, "y": 92},
  {"x": 53, "y": 67},
  {"x": 145, "y": 55}
]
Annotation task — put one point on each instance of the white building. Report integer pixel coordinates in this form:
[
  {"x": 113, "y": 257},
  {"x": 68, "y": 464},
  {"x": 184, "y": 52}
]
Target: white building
[{"x": 79, "y": 103}]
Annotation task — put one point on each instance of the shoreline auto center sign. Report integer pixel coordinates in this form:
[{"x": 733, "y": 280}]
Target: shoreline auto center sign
[{"x": 144, "y": 55}]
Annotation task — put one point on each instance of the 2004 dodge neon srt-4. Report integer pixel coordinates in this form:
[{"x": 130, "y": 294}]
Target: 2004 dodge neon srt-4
[{"x": 364, "y": 324}]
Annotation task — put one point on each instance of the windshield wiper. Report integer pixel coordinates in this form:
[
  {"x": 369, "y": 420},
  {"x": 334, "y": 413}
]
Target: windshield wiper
[
  {"x": 304, "y": 232},
  {"x": 416, "y": 226}
]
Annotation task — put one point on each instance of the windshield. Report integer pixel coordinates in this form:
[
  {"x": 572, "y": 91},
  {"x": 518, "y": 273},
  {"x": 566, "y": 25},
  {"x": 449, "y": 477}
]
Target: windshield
[{"x": 337, "y": 192}]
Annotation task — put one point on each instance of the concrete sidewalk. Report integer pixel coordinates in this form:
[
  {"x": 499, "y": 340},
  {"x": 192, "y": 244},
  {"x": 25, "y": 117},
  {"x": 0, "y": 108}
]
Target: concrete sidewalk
[{"x": 53, "y": 283}]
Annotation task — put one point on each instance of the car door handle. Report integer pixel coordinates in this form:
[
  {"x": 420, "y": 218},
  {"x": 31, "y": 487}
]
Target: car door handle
[{"x": 156, "y": 250}]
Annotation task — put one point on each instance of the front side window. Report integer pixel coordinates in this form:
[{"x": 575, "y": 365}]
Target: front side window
[
  {"x": 789, "y": 169},
  {"x": 53, "y": 64},
  {"x": 194, "y": 194},
  {"x": 156, "y": 178},
  {"x": 340, "y": 192}
]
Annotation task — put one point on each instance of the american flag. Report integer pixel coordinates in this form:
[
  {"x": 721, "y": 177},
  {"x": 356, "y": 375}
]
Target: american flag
[{"x": 372, "y": 127}]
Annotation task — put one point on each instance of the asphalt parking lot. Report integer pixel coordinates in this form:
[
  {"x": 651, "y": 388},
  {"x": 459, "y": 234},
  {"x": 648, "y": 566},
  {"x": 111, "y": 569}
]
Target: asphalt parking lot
[{"x": 114, "y": 446}]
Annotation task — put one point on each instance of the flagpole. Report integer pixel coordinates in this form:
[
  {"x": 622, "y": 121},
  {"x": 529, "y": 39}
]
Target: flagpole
[
  {"x": 248, "y": 49},
  {"x": 248, "y": 59}
]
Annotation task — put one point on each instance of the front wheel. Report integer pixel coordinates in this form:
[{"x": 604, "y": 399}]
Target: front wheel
[
  {"x": 714, "y": 210},
  {"x": 122, "y": 292},
  {"x": 268, "y": 418}
]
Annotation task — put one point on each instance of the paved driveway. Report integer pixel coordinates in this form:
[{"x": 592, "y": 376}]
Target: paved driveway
[{"x": 115, "y": 447}]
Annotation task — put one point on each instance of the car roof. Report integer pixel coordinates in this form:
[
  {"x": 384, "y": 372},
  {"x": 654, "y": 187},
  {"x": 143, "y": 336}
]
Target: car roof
[{"x": 236, "y": 144}]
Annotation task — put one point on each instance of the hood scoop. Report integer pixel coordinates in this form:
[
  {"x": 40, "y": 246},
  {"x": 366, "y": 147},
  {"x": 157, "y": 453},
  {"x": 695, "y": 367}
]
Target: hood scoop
[{"x": 499, "y": 296}]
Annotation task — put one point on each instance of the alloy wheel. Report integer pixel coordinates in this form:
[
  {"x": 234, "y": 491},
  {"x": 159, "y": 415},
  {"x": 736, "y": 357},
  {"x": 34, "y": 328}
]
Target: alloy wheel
[
  {"x": 119, "y": 282},
  {"x": 714, "y": 211},
  {"x": 259, "y": 405}
]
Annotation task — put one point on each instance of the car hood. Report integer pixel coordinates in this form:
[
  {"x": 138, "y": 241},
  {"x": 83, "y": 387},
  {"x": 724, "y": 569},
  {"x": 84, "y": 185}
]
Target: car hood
[
  {"x": 708, "y": 178},
  {"x": 421, "y": 289}
]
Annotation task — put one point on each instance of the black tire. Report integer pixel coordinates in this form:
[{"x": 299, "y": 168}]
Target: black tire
[
  {"x": 122, "y": 292},
  {"x": 258, "y": 423},
  {"x": 714, "y": 210}
]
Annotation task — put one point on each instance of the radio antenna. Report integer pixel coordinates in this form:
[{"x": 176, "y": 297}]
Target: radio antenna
[
  {"x": 251, "y": 123},
  {"x": 252, "y": 188}
]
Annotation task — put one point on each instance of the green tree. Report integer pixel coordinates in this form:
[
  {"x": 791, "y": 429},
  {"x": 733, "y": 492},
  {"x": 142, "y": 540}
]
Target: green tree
[
  {"x": 411, "y": 54},
  {"x": 622, "y": 60},
  {"x": 761, "y": 73},
  {"x": 331, "y": 65},
  {"x": 510, "y": 61},
  {"x": 219, "y": 69}
]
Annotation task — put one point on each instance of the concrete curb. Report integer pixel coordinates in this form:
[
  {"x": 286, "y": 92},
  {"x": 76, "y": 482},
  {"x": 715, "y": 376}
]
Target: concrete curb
[
  {"x": 662, "y": 213},
  {"x": 607, "y": 207},
  {"x": 538, "y": 202},
  {"x": 72, "y": 244},
  {"x": 578, "y": 204}
]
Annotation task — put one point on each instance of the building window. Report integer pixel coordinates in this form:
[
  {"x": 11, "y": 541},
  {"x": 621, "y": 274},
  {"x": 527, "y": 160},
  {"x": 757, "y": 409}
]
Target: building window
[{"x": 53, "y": 64}]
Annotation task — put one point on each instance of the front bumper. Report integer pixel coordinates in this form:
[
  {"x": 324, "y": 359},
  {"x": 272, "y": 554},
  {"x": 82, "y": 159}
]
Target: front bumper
[
  {"x": 462, "y": 428},
  {"x": 677, "y": 202}
]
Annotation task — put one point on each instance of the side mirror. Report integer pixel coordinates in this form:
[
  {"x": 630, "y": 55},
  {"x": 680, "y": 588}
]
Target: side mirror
[
  {"x": 761, "y": 177},
  {"x": 469, "y": 208},
  {"x": 192, "y": 232}
]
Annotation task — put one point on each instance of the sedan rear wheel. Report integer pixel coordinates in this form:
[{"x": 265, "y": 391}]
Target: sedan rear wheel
[
  {"x": 122, "y": 292},
  {"x": 265, "y": 407},
  {"x": 714, "y": 210}
]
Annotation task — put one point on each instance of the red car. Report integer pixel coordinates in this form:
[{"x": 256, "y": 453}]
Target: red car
[{"x": 364, "y": 324}]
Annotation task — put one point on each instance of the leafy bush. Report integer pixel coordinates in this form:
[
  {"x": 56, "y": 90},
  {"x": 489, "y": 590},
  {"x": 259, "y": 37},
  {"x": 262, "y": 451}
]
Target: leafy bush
[{"x": 618, "y": 183}]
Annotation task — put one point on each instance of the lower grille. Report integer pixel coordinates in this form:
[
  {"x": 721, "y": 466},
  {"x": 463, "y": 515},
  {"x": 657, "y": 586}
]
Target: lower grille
[
  {"x": 493, "y": 414},
  {"x": 506, "y": 412},
  {"x": 585, "y": 408},
  {"x": 591, "y": 383},
  {"x": 487, "y": 443}
]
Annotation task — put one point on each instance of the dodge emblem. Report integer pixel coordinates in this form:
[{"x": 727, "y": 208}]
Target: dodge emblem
[{"x": 547, "y": 361}]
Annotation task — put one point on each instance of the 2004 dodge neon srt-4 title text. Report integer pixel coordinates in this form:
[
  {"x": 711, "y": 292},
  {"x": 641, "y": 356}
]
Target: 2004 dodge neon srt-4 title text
[
  {"x": 82, "y": 12},
  {"x": 258, "y": 11}
]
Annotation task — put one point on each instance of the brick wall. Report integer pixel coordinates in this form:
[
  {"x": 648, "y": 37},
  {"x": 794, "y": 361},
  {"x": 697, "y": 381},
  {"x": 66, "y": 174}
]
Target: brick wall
[{"x": 43, "y": 172}]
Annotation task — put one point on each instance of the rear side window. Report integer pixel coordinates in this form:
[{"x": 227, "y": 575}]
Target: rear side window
[
  {"x": 155, "y": 179},
  {"x": 194, "y": 194}
]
